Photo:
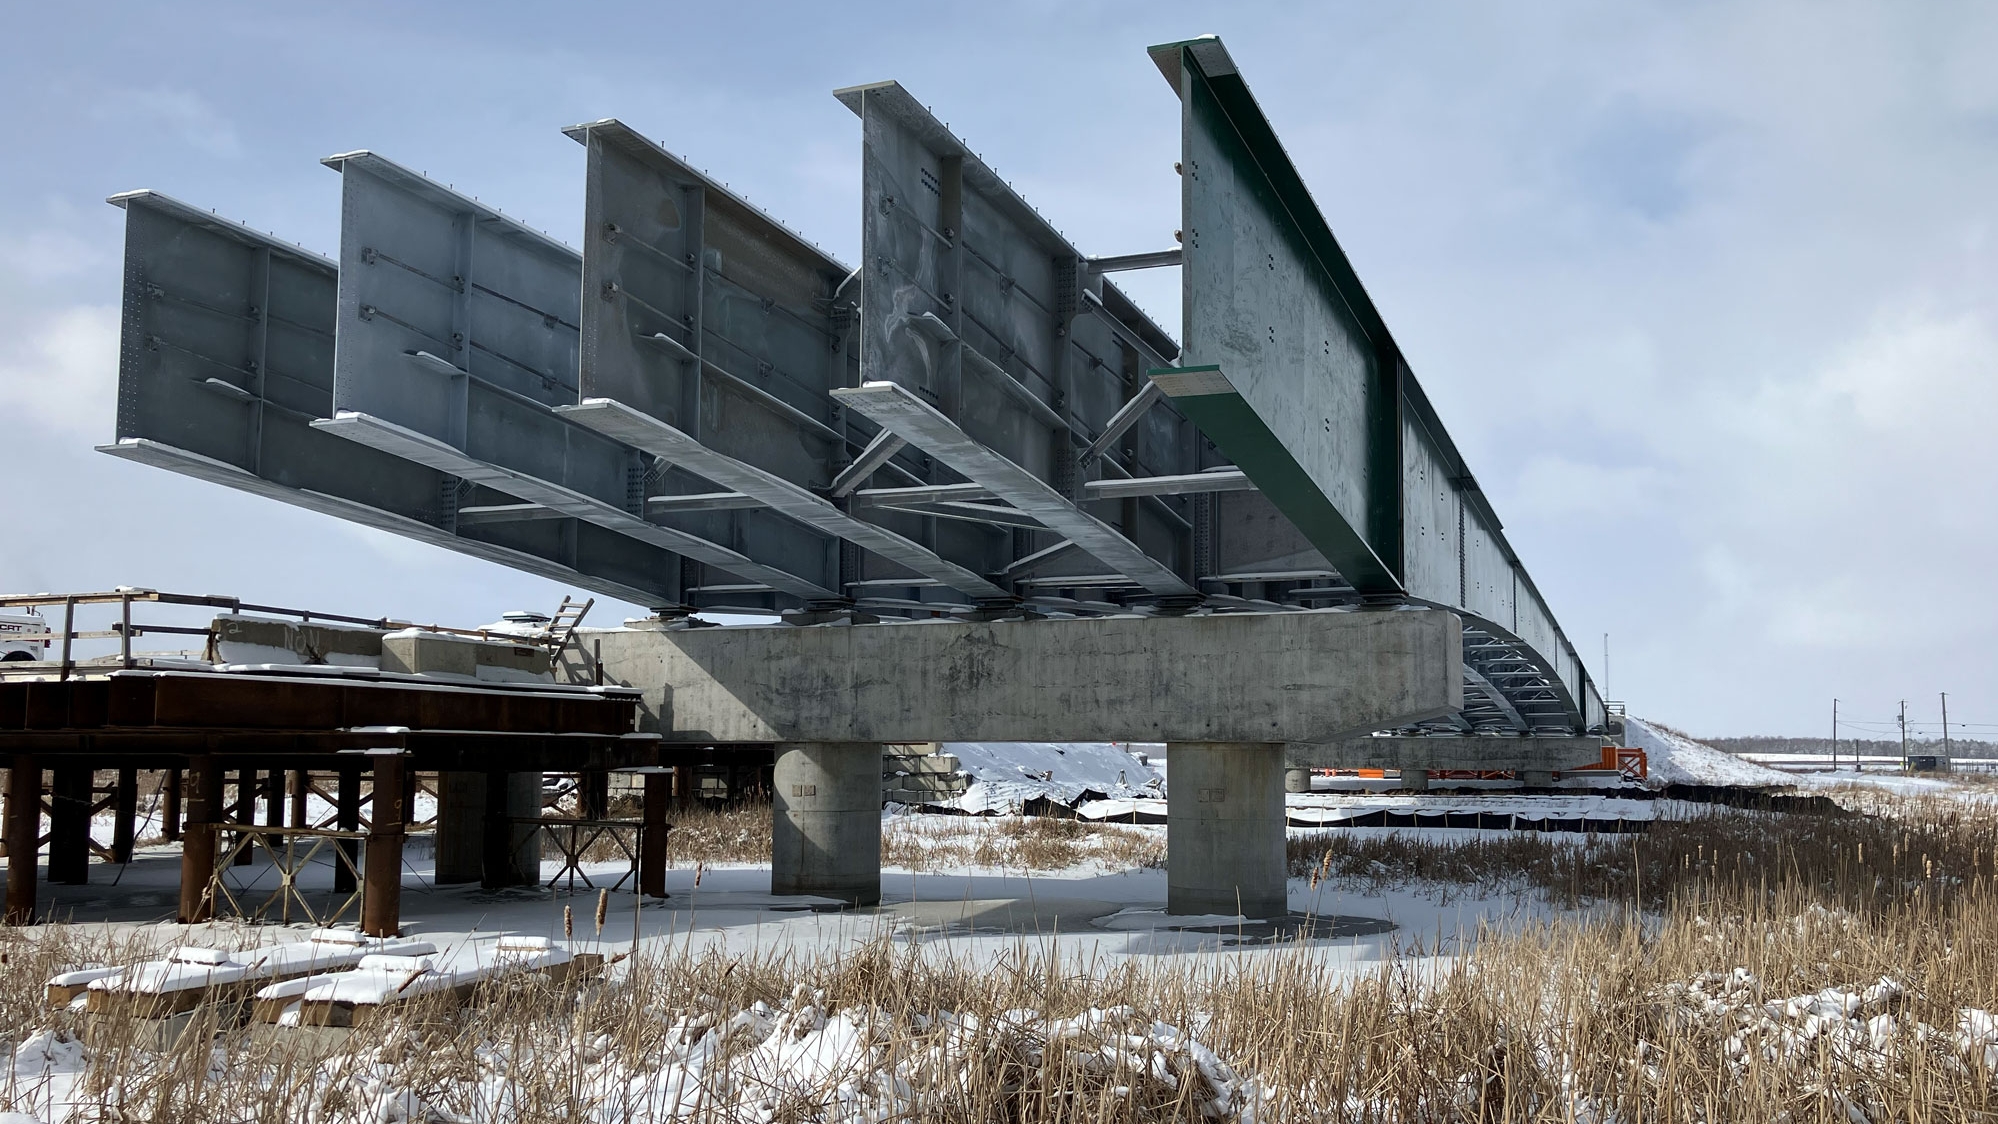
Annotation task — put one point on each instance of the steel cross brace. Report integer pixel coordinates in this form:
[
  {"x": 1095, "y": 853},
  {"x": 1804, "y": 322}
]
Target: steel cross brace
[
  {"x": 427, "y": 450},
  {"x": 892, "y": 406},
  {"x": 642, "y": 431}
]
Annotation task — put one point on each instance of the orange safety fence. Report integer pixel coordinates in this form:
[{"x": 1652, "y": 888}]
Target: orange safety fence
[{"x": 1626, "y": 762}]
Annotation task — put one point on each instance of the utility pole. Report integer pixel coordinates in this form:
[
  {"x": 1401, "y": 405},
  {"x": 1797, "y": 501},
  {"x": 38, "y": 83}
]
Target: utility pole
[
  {"x": 1834, "y": 745},
  {"x": 1904, "y": 735},
  {"x": 1945, "y": 707},
  {"x": 1606, "y": 690}
]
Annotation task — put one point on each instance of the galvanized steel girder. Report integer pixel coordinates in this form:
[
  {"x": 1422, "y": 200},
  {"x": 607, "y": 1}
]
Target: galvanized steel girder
[
  {"x": 976, "y": 305},
  {"x": 227, "y": 359},
  {"x": 460, "y": 325}
]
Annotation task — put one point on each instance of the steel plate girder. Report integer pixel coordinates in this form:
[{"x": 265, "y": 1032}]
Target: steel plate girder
[
  {"x": 1266, "y": 316},
  {"x": 226, "y": 358},
  {"x": 754, "y": 339},
  {"x": 708, "y": 314},
  {"x": 977, "y": 305},
  {"x": 460, "y": 326},
  {"x": 424, "y": 449}
]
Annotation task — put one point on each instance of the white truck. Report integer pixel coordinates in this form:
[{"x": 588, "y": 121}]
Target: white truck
[{"x": 24, "y": 635}]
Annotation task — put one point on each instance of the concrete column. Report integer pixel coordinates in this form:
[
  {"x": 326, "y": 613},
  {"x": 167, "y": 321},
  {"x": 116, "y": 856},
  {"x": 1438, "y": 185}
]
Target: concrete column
[
  {"x": 1297, "y": 780},
  {"x": 198, "y": 839},
  {"x": 70, "y": 797},
  {"x": 683, "y": 786},
  {"x": 1536, "y": 778},
  {"x": 299, "y": 788},
  {"x": 23, "y": 823},
  {"x": 825, "y": 832},
  {"x": 652, "y": 841},
  {"x": 1415, "y": 780},
  {"x": 381, "y": 896},
  {"x": 124, "y": 815},
  {"x": 347, "y": 817},
  {"x": 170, "y": 806},
  {"x": 461, "y": 827},
  {"x": 1225, "y": 829},
  {"x": 510, "y": 852}
]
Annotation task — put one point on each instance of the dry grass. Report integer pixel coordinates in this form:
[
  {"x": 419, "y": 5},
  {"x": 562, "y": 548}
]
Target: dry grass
[
  {"x": 1666, "y": 1021},
  {"x": 1676, "y": 1015},
  {"x": 1907, "y": 847},
  {"x": 741, "y": 834},
  {"x": 736, "y": 834},
  {"x": 701, "y": 836},
  {"x": 925, "y": 843}
]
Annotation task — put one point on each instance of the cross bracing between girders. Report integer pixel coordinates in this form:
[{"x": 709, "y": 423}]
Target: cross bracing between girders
[{"x": 699, "y": 409}]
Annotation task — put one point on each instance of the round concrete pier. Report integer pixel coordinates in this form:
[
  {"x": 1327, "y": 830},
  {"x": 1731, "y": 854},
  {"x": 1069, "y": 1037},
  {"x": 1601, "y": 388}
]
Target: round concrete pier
[
  {"x": 1225, "y": 829},
  {"x": 1297, "y": 780},
  {"x": 825, "y": 833}
]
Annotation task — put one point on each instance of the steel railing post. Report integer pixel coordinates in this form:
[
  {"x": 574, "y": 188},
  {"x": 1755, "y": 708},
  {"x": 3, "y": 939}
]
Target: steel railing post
[{"x": 68, "y": 630}]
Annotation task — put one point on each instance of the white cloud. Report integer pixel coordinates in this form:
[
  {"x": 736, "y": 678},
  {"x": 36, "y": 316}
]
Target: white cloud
[
  {"x": 188, "y": 116},
  {"x": 1846, "y": 513},
  {"x": 65, "y": 373},
  {"x": 51, "y": 253},
  {"x": 1553, "y": 485}
]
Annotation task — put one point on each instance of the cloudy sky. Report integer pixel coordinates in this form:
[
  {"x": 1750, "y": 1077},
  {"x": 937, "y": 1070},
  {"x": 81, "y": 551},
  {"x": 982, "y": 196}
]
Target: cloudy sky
[{"x": 1707, "y": 292}]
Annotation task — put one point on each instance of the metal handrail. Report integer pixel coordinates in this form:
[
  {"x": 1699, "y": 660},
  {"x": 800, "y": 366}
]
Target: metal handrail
[{"x": 124, "y": 630}]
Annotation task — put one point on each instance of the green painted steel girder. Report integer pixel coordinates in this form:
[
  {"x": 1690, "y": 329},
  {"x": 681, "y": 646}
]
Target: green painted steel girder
[{"x": 1205, "y": 396}]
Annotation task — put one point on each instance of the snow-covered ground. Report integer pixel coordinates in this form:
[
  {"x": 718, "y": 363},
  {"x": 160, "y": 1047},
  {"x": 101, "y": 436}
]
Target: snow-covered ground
[
  {"x": 1094, "y": 915},
  {"x": 1672, "y": 758},
  {"x": 1089, "y": 917},
  {"x": 1007, "y": 775},
  {"x": 978, "y": 911}
]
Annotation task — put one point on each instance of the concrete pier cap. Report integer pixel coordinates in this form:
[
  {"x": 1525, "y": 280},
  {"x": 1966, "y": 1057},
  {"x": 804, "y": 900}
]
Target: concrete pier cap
[
  {"x": 1310, "y": 676},
  {"x": 1226, "y": 691}
]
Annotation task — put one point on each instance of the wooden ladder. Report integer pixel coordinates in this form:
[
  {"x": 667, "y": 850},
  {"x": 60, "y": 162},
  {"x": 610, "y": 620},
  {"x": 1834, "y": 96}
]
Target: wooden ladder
[{"x": 562, "y": 626}]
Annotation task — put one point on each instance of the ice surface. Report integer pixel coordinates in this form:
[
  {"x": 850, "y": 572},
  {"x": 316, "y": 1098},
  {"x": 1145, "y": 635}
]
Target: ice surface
[
  {"x": 1331, "y": 808},
  {"x": 1143, "y": 919}
]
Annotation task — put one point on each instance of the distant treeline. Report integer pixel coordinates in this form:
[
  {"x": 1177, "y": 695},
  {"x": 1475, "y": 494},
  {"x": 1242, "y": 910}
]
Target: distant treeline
[{"x": 1961, "y": 747}]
